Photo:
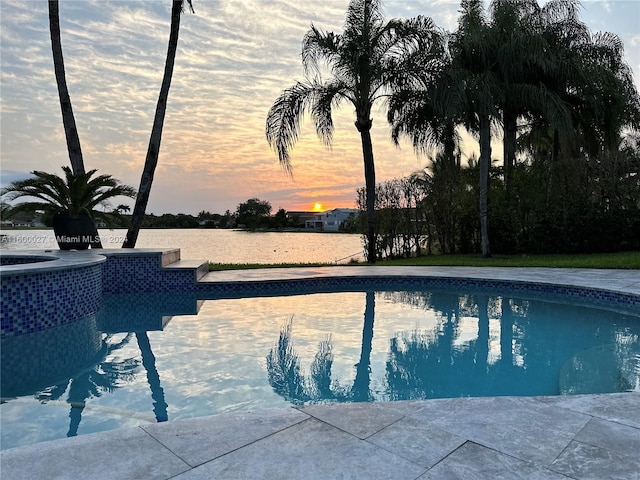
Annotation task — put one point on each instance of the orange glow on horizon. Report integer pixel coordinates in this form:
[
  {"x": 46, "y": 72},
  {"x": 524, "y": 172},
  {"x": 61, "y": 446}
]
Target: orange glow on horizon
[{"x": 317, "y": 207}]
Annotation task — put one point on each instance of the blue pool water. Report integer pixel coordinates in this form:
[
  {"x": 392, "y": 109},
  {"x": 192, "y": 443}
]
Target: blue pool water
[{"x": 149, "y": 357}]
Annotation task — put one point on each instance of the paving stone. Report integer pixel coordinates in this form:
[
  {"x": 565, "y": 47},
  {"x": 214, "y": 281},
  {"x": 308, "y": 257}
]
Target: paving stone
[
  {"x": 620, "y": 439},
  {"x": 421, "y": 443},
  {"x": 525, "y": 428},
  {"x": 311, "y": 450},
  {"x": 582, "y": 461},
  {"x": 359, "y": 419},
  {"x": 616, "y": 407},
  {"x": 128, "y": 453},
  {"x": 198, "y": 440},
  {"x": 475, "y": 462}
]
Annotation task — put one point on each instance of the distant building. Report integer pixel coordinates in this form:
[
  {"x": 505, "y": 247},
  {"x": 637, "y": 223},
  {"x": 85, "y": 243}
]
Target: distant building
[
  {"x": 298, "y": 219},
  {"x": 331, "y": 220}
]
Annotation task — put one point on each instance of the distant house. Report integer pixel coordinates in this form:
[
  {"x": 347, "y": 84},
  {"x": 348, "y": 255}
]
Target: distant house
[
  {"x": 298, "y": 219},
  {"x": 25, "y": 220},
  {"x": 331, "y": 220},
  {"x": 18, "y": 221}
]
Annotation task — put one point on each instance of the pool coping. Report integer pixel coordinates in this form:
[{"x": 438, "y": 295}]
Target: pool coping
[
  {"x": 616, "y": 280},
  {"x": 56, "y": 260}
]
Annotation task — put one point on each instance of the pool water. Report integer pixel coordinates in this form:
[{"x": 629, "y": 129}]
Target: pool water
[{"x": 149, "y": 357}]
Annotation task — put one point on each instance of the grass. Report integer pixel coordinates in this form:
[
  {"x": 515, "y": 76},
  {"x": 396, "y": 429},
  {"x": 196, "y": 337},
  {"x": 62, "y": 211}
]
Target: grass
[{"x": 624, "y": 260}]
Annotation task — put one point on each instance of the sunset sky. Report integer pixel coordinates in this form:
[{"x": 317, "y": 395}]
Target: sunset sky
[{"x": 234, "y": 59}]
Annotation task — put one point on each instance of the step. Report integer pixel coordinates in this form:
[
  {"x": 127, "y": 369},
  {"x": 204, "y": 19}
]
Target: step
[
  {"x": 201, "y": 267},
  {"x": 170, "y": 256}
]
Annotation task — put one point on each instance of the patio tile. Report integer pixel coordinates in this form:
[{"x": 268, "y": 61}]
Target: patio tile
[
  {"x": 475, "y": 462},
  {"x": 198, "y": 440},
  {"x": 359, "y": 419},
  {"x": 617, "y": 438},
  {"x": 616, "y": 407},
  {"x": 582, "y": 461},
  {"x": 525, "y": 428},
  {"x": 126, "y": 453},
  {"x": 423, "y": 444},
  {"x": 310, "y": 450}
]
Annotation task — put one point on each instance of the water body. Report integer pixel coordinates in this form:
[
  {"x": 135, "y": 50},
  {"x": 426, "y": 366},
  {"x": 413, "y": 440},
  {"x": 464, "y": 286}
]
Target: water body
[{"x": 217, "y": 246}]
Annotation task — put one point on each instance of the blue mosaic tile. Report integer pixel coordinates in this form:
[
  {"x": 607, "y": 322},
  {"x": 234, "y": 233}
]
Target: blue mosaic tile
[
  {"x": 624, "y": 303},
  {"x": 35, "y": 301},
  {"x": 127, "y": 274}
]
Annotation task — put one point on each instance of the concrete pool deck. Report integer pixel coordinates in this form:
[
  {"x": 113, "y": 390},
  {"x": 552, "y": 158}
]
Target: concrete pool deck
[{"x": 585, "y": 436}]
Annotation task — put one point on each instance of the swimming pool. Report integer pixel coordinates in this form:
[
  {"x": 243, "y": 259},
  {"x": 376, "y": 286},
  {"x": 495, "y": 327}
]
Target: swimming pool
[{"x": 156, "y": 357}]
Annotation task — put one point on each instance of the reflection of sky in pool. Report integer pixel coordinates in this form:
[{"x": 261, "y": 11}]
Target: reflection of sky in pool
[{"x": 245, "y": 354}]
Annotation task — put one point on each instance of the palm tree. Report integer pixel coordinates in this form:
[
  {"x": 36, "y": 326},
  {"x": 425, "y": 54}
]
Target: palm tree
[
  {"x": 523, "y": 60},
  {"x": 68, "y": 120},
  {"x": 153, "y": 151},
  {"x": 474, "y": 58},
  {"x": 72, "y": 201},
  {"x": 363, "y": 61},
  {"x": 493, "y": 75},
  {"x": 73, "y": 194},
  {"x": 465, "y": 90}
]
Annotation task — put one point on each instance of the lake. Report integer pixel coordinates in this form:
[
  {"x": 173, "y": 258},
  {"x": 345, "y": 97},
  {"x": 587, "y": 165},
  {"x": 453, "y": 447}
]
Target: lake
[{"x": 216, "y": 246}]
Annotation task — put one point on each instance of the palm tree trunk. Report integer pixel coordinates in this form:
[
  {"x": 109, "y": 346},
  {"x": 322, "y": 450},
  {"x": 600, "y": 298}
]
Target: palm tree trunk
[
  {"x": 68, "y": 120},
  {"x": 370, "y": 188},
  {"x": 153, "y": 151},
  {"x": 485, "y": 161},
  {"x": 509, "y": 150}
]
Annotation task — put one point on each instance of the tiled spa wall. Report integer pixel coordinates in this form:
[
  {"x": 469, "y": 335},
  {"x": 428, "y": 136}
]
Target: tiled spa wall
[{"x": 39, "y": 300}]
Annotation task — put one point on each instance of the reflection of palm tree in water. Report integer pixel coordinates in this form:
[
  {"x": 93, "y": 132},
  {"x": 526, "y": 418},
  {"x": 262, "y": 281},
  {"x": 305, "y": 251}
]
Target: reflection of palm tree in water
[
  {"x": 285, "y": 373},
  {"x": 429, "y": 365},
  {"x": 361, "y": 391},
  {"x": 103, "y": 377},
  {"x": 149, "y": 363}
]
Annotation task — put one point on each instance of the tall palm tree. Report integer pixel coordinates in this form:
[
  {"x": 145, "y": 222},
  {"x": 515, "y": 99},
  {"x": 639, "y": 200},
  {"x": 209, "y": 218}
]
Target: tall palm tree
[
  {"x": 493, "y": 75},
  {"x": 589, "y": 75},
  {"x": 153, "y": 151},
  {"x": 523, "y": 59},
  {"x": 68, "y": 120},
  {"x": 464, "y": 91},
  {"x": 364, "y": 60},
  {"x": 474, "y": 58}
]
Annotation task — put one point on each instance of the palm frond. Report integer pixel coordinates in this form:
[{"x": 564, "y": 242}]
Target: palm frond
[
  {"x": 362, "y": 15},
  {"x": 319, "y": 46},
  {"x": 283, "y": 120},
  {"x": 73, "y": 193},
  {"x": 327, "y": 96}
]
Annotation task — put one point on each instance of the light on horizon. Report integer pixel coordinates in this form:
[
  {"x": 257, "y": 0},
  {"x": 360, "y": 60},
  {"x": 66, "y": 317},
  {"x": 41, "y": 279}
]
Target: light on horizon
[{"x": 317, "y": 207}]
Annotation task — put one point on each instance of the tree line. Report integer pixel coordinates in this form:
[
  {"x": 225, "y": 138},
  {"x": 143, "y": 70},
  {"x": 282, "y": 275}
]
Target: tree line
[
  {"x": 595, "y": 208},
  {"x": 254, "y": 214},
  {"x": 561, "y": 98}
]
